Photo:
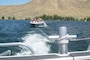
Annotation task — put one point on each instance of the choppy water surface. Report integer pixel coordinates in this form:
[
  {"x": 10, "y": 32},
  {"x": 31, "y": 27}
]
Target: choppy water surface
[{"x": 20, "y": 31}]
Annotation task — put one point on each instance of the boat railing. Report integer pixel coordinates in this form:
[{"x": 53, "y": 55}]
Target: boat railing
[
  {"x": 62, "y": 40},
  {"x": 15, "y": 44},
  {"x": 6, "y": 53}
]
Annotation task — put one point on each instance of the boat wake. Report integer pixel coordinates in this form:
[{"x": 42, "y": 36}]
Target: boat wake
[{"x": 37, "y": 42}]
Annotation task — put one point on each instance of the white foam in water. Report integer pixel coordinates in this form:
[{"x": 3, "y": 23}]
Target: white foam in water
[
  {"x": 37, "y": 42},
  {"x": 45, "y": 24},
  {"x": 88, "y": 47}
]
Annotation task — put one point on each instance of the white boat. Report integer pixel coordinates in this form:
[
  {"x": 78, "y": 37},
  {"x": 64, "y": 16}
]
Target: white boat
[{"x": 38, "y": 23}]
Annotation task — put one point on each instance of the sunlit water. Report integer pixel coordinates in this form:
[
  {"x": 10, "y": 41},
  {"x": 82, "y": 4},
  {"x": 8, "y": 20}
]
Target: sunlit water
[{"x": 20, "y": 31}]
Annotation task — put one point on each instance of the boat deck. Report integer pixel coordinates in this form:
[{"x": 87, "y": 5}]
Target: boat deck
[{"x": 83, "y": 55}]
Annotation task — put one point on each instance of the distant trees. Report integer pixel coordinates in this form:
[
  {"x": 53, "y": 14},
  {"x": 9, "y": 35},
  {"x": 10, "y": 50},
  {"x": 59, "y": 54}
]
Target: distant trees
[
  {"x": 67, "y": 18},
  {"x": 8, "y": 18},
  {"x": 85, "y": 19},
  {"x": 45, "y": 17},
  {"x": 3, "y": 17},
  {"x": 56, "y": 17},
  {"x": 48, "y": 17},
  {"x": 88, "y": 18},
  {"x": 11, "y": 18},
  {"x": 27, "y": 18}
]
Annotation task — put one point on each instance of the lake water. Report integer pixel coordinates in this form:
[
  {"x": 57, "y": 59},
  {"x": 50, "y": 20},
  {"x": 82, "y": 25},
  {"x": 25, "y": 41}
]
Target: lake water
[{"x": 20, "y": 31}]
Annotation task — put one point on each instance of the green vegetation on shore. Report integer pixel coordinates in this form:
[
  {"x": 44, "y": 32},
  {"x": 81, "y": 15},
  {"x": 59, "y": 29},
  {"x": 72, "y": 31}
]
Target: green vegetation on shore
[
  {"x": 67, "y": 18},
  {"x": 48, "y": 17},
  {"x": 8, "y": 18}
]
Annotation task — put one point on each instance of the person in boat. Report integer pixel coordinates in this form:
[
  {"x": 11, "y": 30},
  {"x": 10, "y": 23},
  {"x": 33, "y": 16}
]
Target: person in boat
[
  {"x": 33, "y": 20},
  {"x": 39, "y": 19},
  {"x": 36, "y": 20}
]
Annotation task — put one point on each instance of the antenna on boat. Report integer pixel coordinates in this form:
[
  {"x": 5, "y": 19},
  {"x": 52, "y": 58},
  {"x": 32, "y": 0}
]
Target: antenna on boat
[{"x": 62, "y": 40}]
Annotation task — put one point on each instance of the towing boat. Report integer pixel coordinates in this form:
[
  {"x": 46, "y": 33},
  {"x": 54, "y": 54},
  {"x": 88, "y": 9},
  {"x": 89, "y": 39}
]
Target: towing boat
[{"x": 37, "y": 23}]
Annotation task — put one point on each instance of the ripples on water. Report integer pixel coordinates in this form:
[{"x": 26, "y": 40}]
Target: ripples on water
[{"x": 14, "y": 31}]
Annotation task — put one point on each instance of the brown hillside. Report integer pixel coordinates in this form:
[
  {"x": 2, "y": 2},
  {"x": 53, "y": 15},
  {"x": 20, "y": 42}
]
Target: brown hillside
[{"x": 75, "y": 8}]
